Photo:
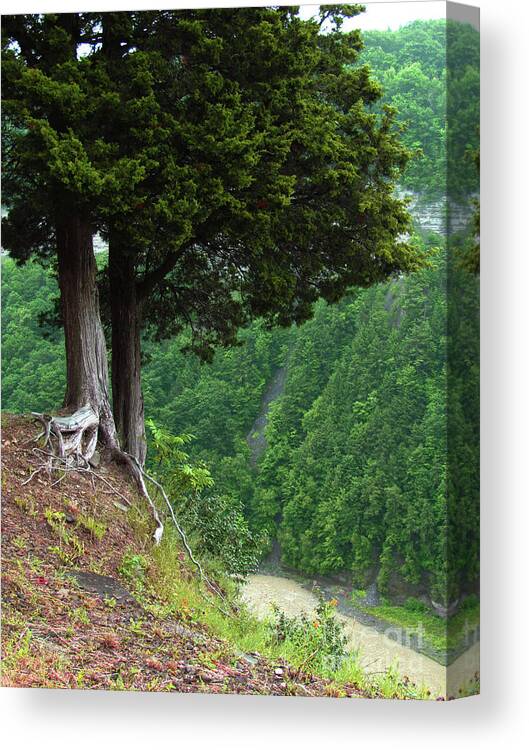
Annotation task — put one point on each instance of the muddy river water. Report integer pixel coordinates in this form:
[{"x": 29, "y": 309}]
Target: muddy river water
[{"x": 377, "y": 650}]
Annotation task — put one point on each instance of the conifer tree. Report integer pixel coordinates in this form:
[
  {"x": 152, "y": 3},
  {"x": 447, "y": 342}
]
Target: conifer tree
[{"x": 230, "y": 157}]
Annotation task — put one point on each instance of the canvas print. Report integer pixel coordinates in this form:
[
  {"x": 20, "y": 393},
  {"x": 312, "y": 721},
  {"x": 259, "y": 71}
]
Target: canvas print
[{"x": 240, "y": 350}]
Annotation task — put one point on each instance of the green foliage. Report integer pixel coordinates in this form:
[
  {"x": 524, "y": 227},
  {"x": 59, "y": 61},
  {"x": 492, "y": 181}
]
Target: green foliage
[
  {"x": 417, "y": 619},
  {"x": 80, "y": 615},
  {"x": 234, "y": 158},
  {"x": 222, "y": 531},
  {"x": 217, "y": 403},
  {"x": 354, "y": 476},
  {"x": 33, "y": 368},
  {"x": 133, "y": 566},
  {"x": 216, "y": 523},
  {"x": 246, "y": 633},
  {"x": 169, "y": 457},
  {"x": 95, "y": 528},
  {"x": 70, "y": 548},
  {"x": 357, "y": 475},
  {"x": 412, "y": 604},
  {"x": 319, "y": 640},
  {"x": 429, "y": 71}
]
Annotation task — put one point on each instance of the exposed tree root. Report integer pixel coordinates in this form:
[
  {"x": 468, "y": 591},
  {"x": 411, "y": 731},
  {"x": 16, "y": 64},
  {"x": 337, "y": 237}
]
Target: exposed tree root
[
  {"x": 73, "y": 438},
  {"x": 141, "y": 476},
  {"x": 134, "y": 467},
  {"x": 212, "y": 586},
  {"x": 51, "y": 463}
]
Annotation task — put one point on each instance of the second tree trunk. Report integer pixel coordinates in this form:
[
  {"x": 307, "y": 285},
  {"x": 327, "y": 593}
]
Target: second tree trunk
[{"x": 127, "y": 397}]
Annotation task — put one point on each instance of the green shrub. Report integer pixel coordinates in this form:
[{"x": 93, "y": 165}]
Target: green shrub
[
  {"x": 415, "y": 605},
  {"x": 470, "y": 602},
  {"x": 215, "y": 523},
  {"x": 133, "y": 567},
  {"x": 221, "y": 530},
  {"x": 96, "y": 529},
  {"x": 318, "y": 640}
]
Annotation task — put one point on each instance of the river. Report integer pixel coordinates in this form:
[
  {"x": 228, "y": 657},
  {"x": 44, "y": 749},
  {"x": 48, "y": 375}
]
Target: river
[{"x": 377, "y": 651}]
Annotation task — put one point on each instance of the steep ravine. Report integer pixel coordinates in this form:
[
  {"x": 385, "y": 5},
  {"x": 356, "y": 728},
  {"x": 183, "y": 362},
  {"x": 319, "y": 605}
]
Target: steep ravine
[
  {"x": 256, "y": 438},
  {"x": 372, "y": 635}
]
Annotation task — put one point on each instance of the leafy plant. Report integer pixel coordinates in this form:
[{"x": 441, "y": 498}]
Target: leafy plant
[
  {"x": 133, "y": 567},
  {"x": 56, "y": 520},
  {"x": 412, "y": 604},
  {"x": 20, "y": 542},
  {"x": 319, "y": 640},
  {"x": 216, "y": 522},
  {"x": 27, "y": 505},
  {"x": 80, "y": 615},
  {"x": 221, "y": 530},
  {"x": 136, "y": 626},
  {"x": 95, "y": 528},
  {"x": 170, "y": 459},
  {"x": 71, "y": 548}
]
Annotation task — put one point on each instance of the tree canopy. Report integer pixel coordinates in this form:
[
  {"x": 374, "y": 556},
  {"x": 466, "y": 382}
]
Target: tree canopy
[
  {"x": 232, "y": 148},
  {"x": 233, "y": 158}
]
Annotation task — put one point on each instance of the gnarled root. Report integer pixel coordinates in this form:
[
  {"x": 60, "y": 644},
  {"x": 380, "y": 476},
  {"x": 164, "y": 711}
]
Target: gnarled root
[
  {"x": 142, "y": 478},
  {"x": 72, "y": 439}
]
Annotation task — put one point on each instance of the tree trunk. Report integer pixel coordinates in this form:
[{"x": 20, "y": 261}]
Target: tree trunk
[
  {"x": 86, "y": 356},
  {"x": 127, "y": 394}
]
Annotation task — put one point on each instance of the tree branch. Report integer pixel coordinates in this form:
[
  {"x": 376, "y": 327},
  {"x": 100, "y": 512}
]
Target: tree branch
[{"x": 154, "y": 277}]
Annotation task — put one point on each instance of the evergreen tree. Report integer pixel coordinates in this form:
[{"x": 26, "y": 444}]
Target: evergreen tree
[
  {"x": 231, "y": 158},
  {"x": 52, "y": 186}
]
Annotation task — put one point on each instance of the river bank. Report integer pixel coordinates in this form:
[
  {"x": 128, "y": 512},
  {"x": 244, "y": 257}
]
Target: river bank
[
  {"x": 332, "y": 587},
  {"x": 378, "y": 649}
]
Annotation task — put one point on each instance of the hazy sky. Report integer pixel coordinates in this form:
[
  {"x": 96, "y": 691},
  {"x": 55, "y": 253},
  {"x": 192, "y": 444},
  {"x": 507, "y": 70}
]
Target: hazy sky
[{"x": 380, "y": 15}]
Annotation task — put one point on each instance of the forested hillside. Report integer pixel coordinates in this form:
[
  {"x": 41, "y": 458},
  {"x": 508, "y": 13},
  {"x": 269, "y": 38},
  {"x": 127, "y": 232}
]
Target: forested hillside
[
  {"x": 354, "y": 477},
  {"x": 411, "y": 65},
  {"x": 355, "y": 474},
  {"x": 357, "y": 463}
]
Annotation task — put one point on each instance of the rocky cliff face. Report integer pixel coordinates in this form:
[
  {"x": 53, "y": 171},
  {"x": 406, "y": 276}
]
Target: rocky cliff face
[
  {"x": 440, "y": 216},
  {"x": 256, "y": 438}
]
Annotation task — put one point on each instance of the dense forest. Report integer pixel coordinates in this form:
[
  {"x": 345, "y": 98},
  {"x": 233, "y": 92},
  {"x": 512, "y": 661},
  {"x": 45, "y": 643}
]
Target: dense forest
[
  {"x": 411, "y": 65},
  {"x": 356, "y": 475}
]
